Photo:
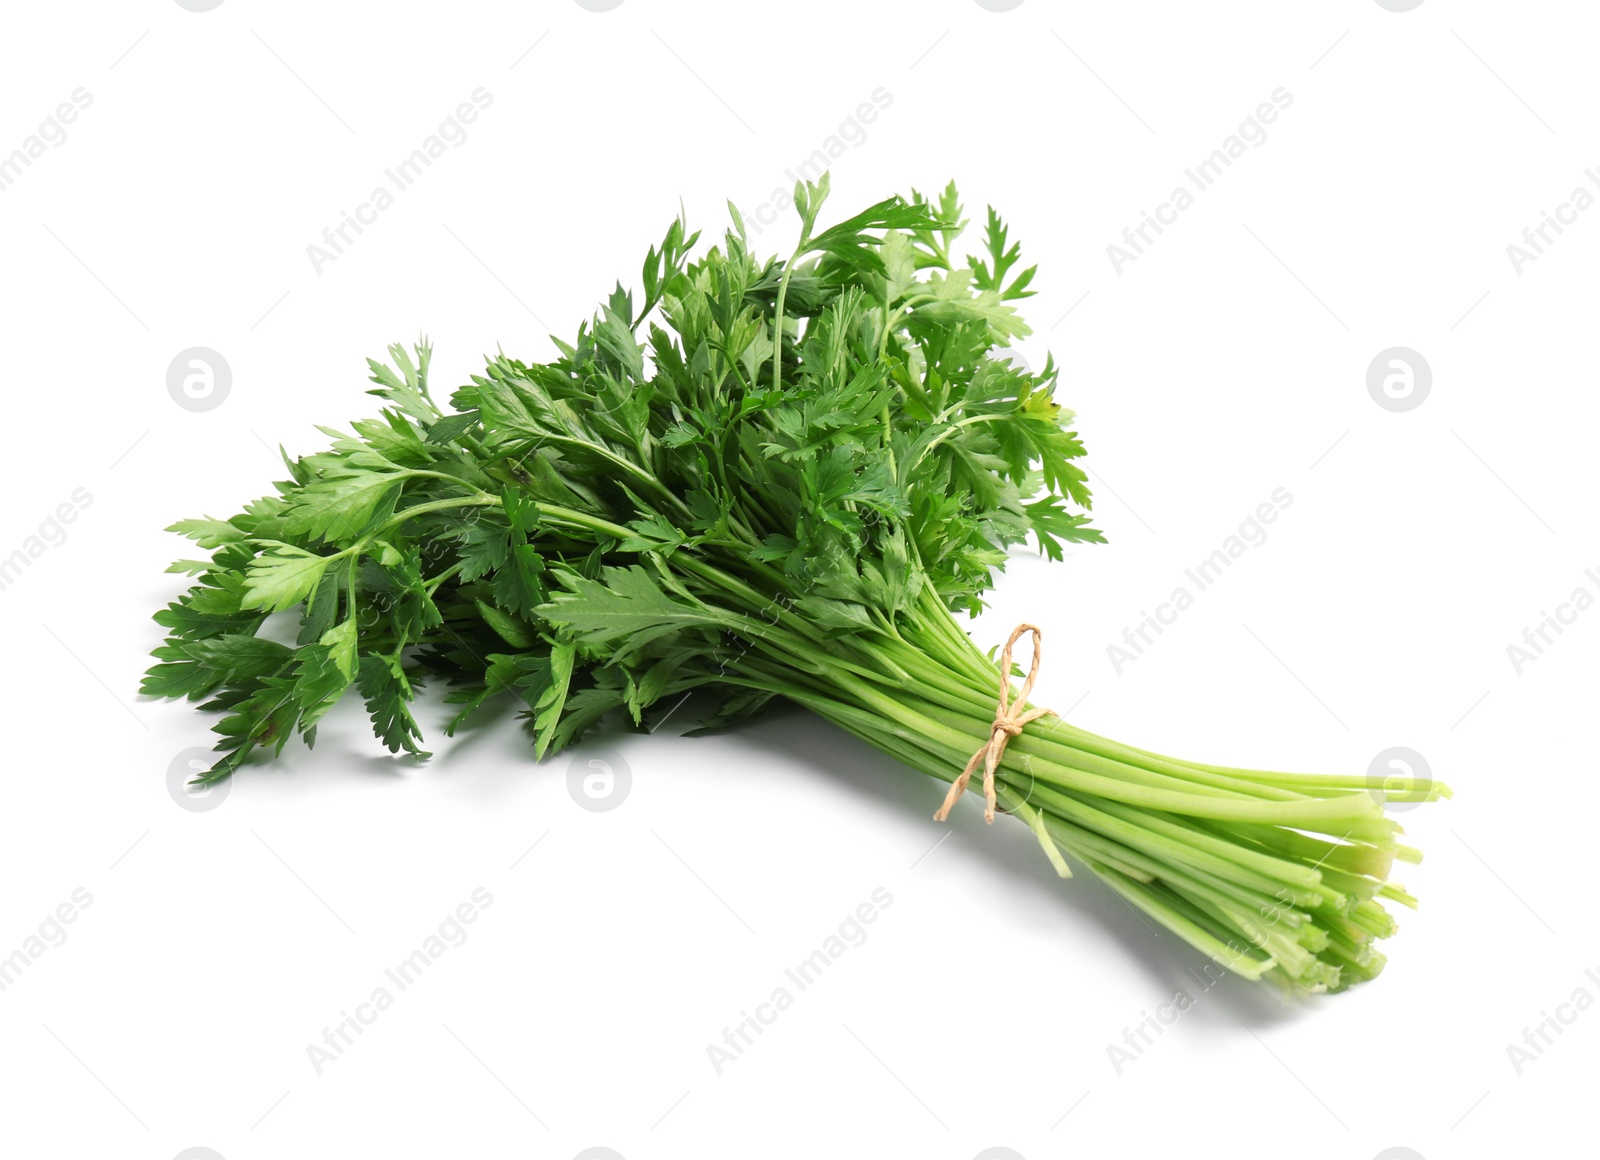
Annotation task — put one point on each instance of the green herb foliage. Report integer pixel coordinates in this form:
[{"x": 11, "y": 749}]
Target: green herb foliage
[{"x": 762, "y": 478}]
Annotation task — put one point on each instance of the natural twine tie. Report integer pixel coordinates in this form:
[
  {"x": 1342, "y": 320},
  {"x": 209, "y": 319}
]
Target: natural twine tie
[{"x": 1008, "y": 722}]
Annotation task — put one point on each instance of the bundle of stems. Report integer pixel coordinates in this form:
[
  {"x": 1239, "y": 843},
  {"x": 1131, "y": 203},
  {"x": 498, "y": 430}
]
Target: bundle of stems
[{"x": 819, "y": 464}]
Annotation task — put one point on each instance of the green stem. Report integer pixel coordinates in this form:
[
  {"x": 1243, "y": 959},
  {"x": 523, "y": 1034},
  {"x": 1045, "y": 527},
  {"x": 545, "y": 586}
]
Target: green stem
[{"x": 777, "y": 316}]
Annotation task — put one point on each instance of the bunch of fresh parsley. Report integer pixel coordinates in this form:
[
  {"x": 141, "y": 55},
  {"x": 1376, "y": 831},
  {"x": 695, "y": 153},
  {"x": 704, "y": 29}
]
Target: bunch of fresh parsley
[{"x": 768, "y": 478}]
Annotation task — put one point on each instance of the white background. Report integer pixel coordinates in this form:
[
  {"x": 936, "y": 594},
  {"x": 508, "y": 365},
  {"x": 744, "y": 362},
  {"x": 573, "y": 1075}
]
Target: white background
[{"x": 1227, "y": 361}]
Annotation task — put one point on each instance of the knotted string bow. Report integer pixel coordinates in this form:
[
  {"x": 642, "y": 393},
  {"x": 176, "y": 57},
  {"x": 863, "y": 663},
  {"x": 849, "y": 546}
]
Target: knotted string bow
[{"x": 1009, "y": 719}]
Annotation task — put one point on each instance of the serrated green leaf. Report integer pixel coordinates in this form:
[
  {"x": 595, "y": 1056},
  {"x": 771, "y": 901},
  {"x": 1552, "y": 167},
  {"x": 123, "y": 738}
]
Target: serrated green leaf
[
  {"x": 281, "y": 579},
  {"x": 208, "y": 533},
  {"x": 340, "y": 641}
]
